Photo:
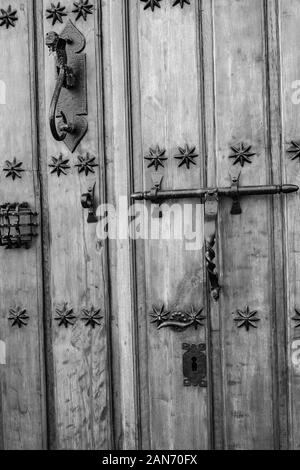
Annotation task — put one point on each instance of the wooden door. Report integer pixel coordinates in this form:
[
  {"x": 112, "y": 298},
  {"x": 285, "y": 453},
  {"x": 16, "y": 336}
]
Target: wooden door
[{"x": 117, "y": 343}]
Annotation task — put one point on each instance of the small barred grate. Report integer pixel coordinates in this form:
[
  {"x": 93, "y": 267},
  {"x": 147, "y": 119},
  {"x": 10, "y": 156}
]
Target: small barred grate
[{"x": 17, "y": 225}]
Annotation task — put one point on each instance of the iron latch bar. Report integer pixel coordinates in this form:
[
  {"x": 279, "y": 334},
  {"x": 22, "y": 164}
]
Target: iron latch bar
[
  {"x": 210, "y": 197},
  {"x": 235, "y": 192}
]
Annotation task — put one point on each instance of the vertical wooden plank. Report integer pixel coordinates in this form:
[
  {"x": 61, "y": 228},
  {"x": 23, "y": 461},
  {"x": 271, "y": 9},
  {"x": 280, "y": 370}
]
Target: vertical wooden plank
[
  {"x": 77, "y": 264},
  {"x": 241, "y": 117},
  {"x": 118, "y": 169},
  {"x": 22, "y": 406},
  {"x": 288, "y": 18},
  {"x": 207, "y": 39},
  {"x": 167, "y": 112},
  {"x": 278, "y": 241}
]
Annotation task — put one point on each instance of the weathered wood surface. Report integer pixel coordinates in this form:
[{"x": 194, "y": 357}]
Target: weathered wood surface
[
  {"x": 288, "y": 19},
  {"x": 118, "y": 168},
  {"x": 212, "y": 74},
  {"x": 166, "y": 111},
  {"x": 242, "y": 115},
  {"x": 77, "y": 265},
  {"x": 206, "y": 52},
  {"x": 22, "y": 400}
]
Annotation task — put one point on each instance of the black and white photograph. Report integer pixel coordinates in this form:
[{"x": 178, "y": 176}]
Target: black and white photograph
[{"x": 149, "y": 228}]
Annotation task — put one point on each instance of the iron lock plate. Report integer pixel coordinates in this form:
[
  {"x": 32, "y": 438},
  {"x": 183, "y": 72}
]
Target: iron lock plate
[{"x": 194, "y": 365}]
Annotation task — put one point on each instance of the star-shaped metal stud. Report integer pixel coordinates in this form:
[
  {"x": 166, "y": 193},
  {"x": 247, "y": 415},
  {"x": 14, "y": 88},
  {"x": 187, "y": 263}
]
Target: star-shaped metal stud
[
  {"x": 82, "y": 8},
  {"x": 56, "y": 13},
  {"x": 181, "y": 3},
  {"x": 151, "y": 4},
  {"x": 159, "y": 315},
  {"x": 294, "y": 150},
  {"x": 296, "y": 318},
  {"x": 196, "y": 317},
  {"x": 186, "y": 156},
  {"x": 13, "y": 169},
  {"x": 242, "y": 154},
  {"x": 59, "y": 165},
  {"x": 8, "y": 17},
  {"x": 18, "y": 316},
  {"x": 65, "y": 316},
  {"x": 92, "y": 317},
  {"x": 156, "y": 157},
  {"x": 86, "y": 164},
  {"x": 246, "y": 318}
]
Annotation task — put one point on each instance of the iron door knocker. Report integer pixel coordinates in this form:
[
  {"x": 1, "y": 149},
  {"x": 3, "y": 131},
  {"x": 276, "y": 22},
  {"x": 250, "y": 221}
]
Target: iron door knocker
[{"x": 69, "y": 101}]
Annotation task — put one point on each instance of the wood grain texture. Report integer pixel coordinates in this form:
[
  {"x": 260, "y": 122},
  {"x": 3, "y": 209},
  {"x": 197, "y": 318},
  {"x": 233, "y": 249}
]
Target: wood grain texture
[
  {"x": 207, "y": 49},
  {"x": 167, "y": 112},
  {"x": 22, "y": 407},
  {"x": 241, "y": 116},
  {"x": 211, "y": 75},
  {"x": 118, "y": 170},
  {"x": 77, "y": 265},
  {"x": 278, "y": 221},
  {"x": 288, "y": 17}
]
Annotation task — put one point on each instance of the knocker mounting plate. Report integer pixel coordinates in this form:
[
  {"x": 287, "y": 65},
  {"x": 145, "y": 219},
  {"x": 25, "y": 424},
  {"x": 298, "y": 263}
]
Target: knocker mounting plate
[{"x": 69, "y": 102}]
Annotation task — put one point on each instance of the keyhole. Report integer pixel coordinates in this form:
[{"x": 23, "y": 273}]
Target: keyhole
[{"x": 194, "y": 364}]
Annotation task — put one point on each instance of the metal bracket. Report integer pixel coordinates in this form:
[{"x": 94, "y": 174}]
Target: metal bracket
[
  {"x": 194, "y": 365},
  {"x": 69, "y": 100},
  {"x": 88, "y": 202},
  {"x": 157, "y": 180},
  {"x": 17, "y": 224},
  {"x": 236, "y": 205}
]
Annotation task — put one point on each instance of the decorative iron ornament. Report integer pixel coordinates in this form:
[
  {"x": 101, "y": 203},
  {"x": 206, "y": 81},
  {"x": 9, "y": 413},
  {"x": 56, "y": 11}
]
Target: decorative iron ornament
[
  {"x": 17, "y": 226},
  {"x": 242, "y": 154},
  {"x": 18, "y": 316},
  {"x": 59, "y": 165},
  {"x": 159, "y": 315},
  {"x": 177, "y": 320},
  {"x": 13, "y": 169},
  {"x": 296, "y": 318},
  {"x": 156, "y": 157},
  {"x": 86, "y": 164},
  {"x": 246, "y": 318},
  {"x": 186, "y": 156},
  {"x": 151, "y": 4},
  {"x": 294, "y": 150},
  {"x": 8, "y": 17},
  {"x": 92, "y": 317},
  {"x": 83, "y": 8},
  {"x": 194, "y": 365},
  {"x": 181, "y": 3},
  {"x": 65, "y": 316},
  {"x": 56, "y": 13}
]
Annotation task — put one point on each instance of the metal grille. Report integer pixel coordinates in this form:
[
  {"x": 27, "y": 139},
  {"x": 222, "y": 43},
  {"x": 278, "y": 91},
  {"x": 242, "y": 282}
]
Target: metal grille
[{"x": 17, "y": 225}]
